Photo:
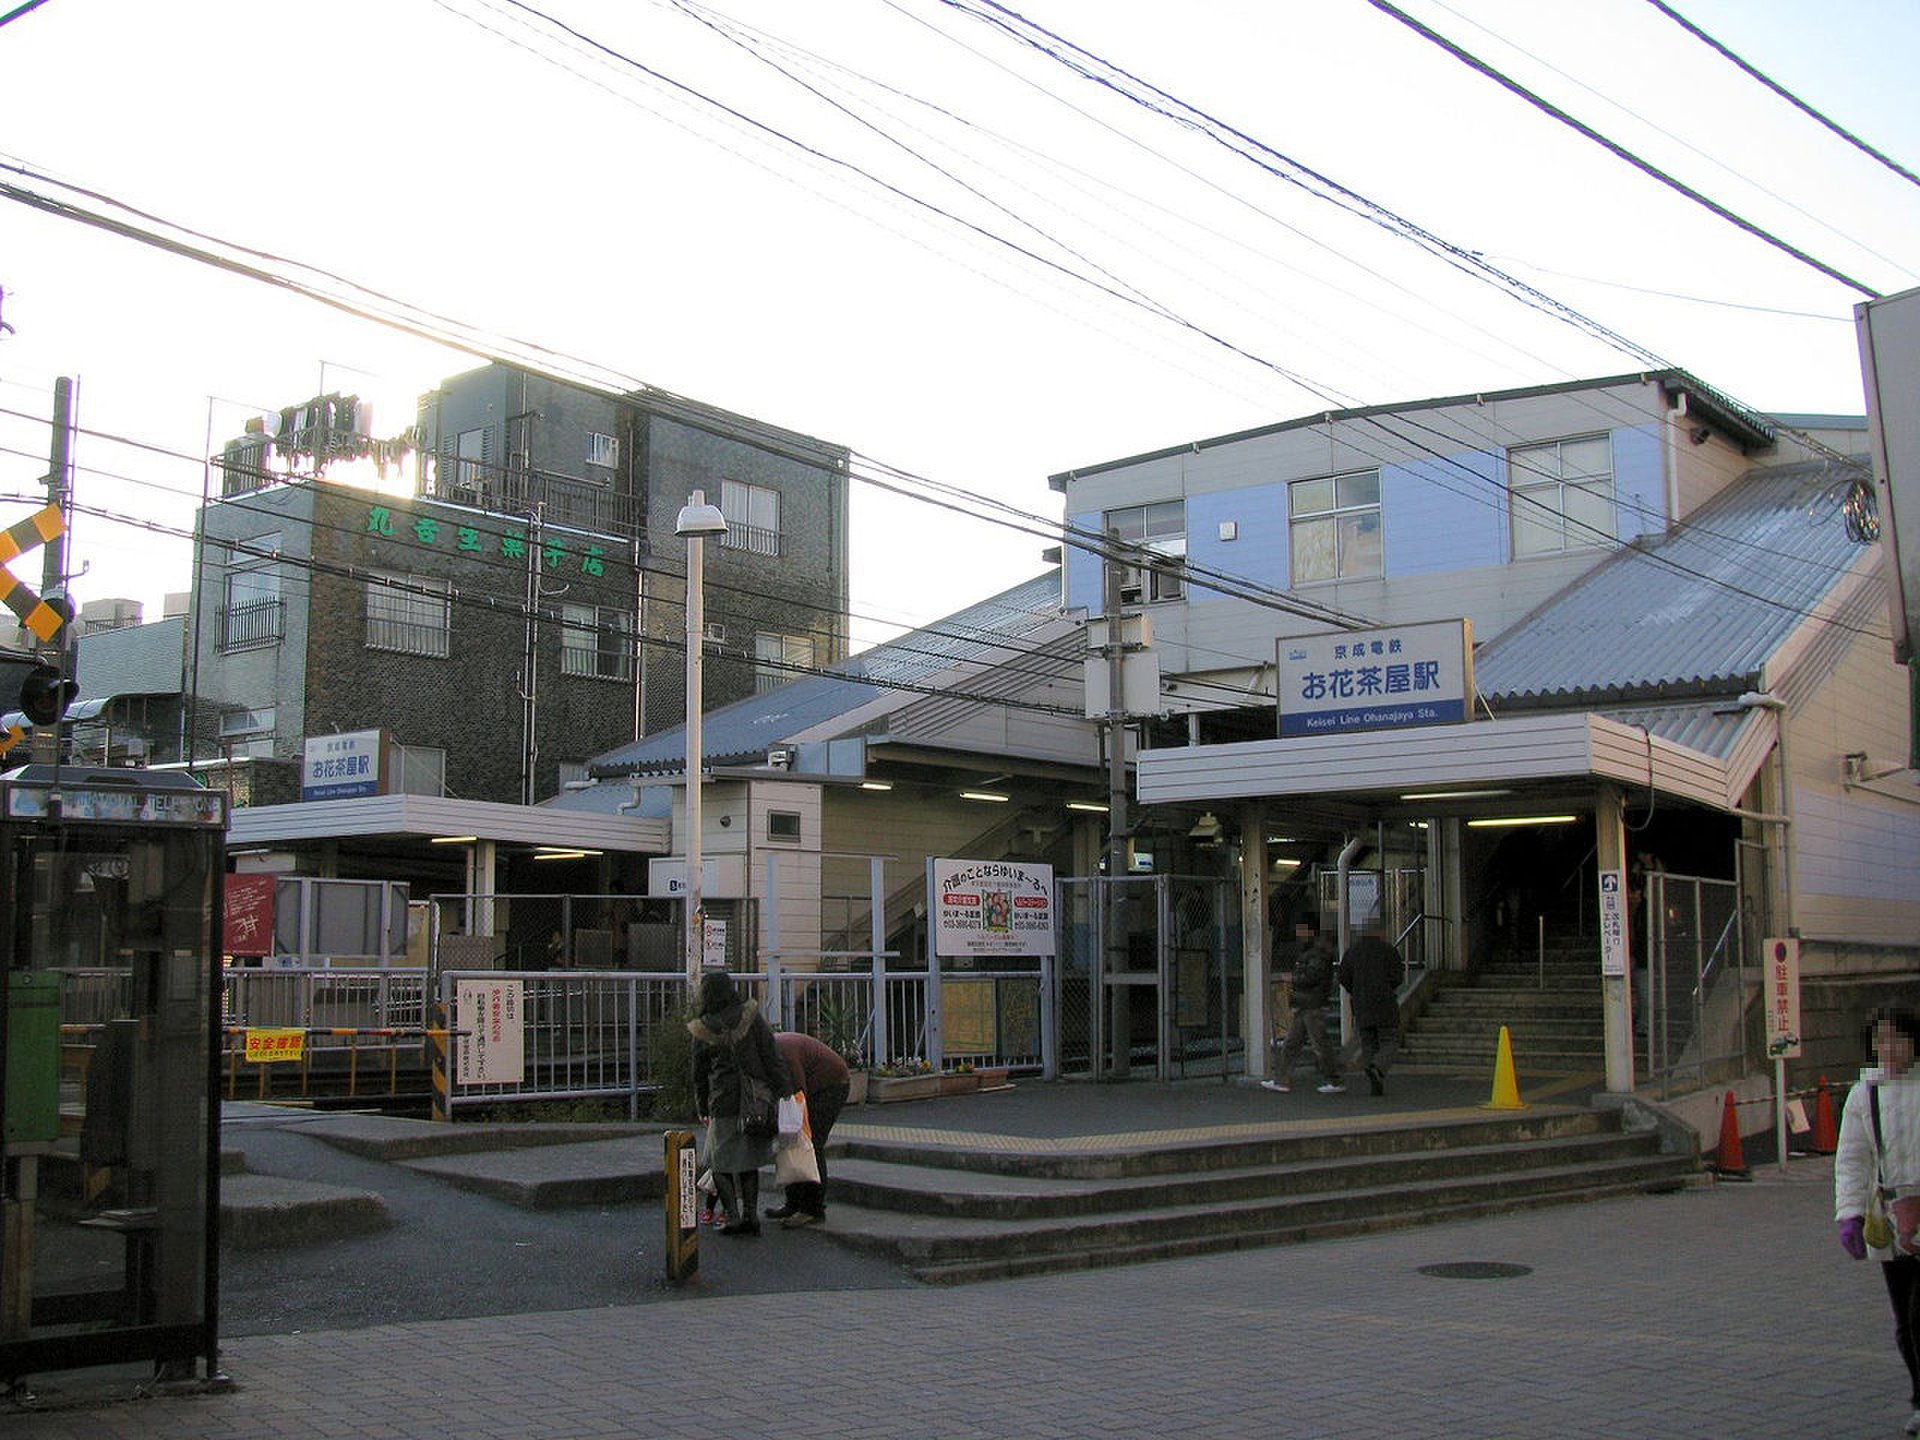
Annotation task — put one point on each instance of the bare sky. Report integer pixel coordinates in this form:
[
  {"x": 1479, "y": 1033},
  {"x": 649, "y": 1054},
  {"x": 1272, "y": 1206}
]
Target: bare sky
[{"x": 892, "y": 225}]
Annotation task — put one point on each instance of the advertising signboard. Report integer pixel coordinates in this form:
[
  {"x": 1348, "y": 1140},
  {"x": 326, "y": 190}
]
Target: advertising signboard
[{"x": 991, "y": 907}]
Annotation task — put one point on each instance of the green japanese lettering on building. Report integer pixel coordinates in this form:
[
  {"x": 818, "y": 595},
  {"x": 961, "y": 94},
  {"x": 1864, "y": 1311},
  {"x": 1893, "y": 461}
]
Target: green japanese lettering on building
[
  {"x": 426, "y": 529},
  {"x": 467, "y": 538},
  {"x": 379, "y": 521},
  {"x": 591, "y": 562},
  {"x": 514, "y": 547}
]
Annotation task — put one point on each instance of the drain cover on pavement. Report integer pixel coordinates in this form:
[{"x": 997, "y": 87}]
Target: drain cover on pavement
[{"x": 1476, "y": 1270}]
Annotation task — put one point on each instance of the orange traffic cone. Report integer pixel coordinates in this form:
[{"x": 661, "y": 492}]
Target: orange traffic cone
[
  {"x": 1728, "y": 1162},
  {"x": 1826, "y": 1139}
]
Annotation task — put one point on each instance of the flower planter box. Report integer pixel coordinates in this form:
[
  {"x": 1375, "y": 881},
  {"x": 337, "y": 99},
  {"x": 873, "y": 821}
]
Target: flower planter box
[
  {"x": 992, "y": 1077},
  {"x": 959, "y": 1082},
  {"x": 856, "y": 1086},
  {"x": 885, "y": 1089}
]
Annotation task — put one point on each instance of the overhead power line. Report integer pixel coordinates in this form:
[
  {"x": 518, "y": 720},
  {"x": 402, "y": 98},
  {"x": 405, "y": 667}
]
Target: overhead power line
[
  {"x": 1785, "y": 94},
  {"x": 1645, "y": 167}
]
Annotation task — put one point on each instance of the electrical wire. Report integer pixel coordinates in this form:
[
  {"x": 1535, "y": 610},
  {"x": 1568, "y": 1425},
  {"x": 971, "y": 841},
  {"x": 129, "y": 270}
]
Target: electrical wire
[
  {"x": 1613, "y": 147},
  {"x": 1785, "y": 94}
]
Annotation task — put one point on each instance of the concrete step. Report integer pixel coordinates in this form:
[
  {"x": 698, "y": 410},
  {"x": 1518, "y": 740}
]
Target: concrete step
[
  {"x": 924, "y": 1190},
  {"x": 944, "y": 1249},
  {"x": 1108, "y": 1162},
  {"x": 263, "y": 1211}
]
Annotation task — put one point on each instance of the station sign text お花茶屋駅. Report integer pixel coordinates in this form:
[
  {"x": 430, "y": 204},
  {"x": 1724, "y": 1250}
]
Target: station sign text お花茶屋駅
[
  {"x": 991, "y": 907},
  {"x": 1375, "y": 679},
  {"x": 339, "y": 766}
]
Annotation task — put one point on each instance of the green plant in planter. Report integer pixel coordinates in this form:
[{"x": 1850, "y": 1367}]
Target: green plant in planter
[
  {"x": 670, "y": 1065},
  {"x": 841, "y": 1026}
]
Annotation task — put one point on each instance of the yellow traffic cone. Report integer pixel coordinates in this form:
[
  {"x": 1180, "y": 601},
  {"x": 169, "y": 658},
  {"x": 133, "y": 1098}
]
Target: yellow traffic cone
[{"x": 1506, "y": 1089}]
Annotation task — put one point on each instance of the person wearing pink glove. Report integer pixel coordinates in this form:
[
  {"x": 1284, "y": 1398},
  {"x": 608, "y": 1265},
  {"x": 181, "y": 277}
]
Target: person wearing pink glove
[{"x": 1879, "y": 1150}]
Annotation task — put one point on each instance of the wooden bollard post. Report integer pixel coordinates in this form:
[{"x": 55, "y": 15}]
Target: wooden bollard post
[{"x": 681, "y": 1204}]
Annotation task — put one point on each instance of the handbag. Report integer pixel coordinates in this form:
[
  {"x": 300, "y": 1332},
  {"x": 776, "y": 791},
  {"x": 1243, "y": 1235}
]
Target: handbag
[
  {"x": 796, "y": 1164},
  {"x": 793, "y": 1118},
  {"x": 1876, "y": 1229},
  {"x": 759, "y": 1108}
]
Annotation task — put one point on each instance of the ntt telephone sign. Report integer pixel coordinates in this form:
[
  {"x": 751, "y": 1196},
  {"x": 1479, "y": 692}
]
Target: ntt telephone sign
[{"x": 1375, "y": 679}]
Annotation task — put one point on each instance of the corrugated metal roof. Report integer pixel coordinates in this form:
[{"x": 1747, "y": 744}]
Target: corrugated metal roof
[
  {"x": 742, "y": 732},
  {"x": 1696, "y": 612},
  {"x": 1710, "y": 727}
]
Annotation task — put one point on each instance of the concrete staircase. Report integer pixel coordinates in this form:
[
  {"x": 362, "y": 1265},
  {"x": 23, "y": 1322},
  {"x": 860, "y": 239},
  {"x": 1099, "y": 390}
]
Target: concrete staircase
[
  {"x": 1551, "y": 1008},
  {"x": 954, "y": 1212}
]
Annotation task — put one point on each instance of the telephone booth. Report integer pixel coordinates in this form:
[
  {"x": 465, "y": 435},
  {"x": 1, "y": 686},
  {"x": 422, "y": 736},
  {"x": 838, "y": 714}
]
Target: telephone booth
[{"x": 110, "y": 888}]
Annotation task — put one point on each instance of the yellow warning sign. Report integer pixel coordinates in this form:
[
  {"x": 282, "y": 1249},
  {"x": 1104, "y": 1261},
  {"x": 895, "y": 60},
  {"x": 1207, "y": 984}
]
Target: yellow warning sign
[{"x": 265, "y": 1047}]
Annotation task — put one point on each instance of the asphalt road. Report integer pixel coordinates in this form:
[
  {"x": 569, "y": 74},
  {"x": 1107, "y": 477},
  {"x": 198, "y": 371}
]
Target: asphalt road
[{"x": 452, "y": 1254}]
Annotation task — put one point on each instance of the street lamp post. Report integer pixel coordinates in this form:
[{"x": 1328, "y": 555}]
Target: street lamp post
[{"x": 696, "y": 521}]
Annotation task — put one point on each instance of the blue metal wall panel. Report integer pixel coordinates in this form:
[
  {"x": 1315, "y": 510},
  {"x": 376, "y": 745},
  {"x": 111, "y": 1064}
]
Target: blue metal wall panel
[
  {"x": 1639, "y": 483},
  {"x": 1258, "y": 550},
  {"x": 1444, "y": 514}
]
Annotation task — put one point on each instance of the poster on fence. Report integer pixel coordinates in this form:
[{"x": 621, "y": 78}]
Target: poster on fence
[
  {"x": 991, "y": 907},
  {"x": 490, "y": 1046}
]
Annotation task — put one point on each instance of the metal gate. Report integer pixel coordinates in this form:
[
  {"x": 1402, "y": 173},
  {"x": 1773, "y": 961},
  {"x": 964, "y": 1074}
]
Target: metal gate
[
  {"x": 1690, "y": 993},
  {"x": 1150, "y": 977}
]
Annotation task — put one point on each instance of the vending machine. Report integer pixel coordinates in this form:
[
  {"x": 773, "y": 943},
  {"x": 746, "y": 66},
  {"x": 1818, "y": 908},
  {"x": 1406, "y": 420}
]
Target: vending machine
[{"x": 110, "y": 893}]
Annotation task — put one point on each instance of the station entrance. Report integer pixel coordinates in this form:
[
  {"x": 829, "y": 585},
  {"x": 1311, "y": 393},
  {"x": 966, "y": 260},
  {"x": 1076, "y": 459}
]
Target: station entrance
[{"x": 110, "y": 885}]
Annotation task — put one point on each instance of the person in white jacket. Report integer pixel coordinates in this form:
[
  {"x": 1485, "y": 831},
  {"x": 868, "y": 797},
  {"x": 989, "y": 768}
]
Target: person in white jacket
[{"x": 1864, "y": 1163}]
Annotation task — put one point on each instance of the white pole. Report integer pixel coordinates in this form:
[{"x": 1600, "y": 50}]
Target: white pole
[{"x": 696, "y": 521}]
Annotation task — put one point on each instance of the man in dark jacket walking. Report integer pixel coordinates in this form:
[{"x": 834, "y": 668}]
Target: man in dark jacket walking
[
  {"x": 1312, "y": 988},
  {"x": 1371, "y": 972}
]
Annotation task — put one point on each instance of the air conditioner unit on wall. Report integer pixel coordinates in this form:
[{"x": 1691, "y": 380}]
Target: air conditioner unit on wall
[{"x": 716, "y": 632}]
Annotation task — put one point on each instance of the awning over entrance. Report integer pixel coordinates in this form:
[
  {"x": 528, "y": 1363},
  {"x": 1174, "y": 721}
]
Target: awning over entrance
[
  {"x": 1574, "y": 747},
  {"x": 429, "y": 817}
]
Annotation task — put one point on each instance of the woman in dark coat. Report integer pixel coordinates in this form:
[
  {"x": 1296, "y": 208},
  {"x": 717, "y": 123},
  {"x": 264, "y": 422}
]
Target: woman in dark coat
[{"x": 730, "y": 1035}]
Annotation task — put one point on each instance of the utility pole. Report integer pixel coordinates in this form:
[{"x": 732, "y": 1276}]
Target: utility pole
[
  {"x": 530, "y": 662},
  {"x": 1117, "y": 1000},
  {"x": 45, "y": 748}
]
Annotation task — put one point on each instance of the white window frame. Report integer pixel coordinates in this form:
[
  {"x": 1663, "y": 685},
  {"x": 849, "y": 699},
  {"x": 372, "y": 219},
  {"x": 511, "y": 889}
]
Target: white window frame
[
  {"x": 409, "y": 614},
  {"x": 1539, "y": 484},
  {"x": 253, "y": 616},
  {"x": 603, "y": 450},
  {"x": 1162, "y": 528},
  {"x": 775, "y": 655},
  {"x": 752, "y": 514},
  {"x": 596, "y": 642},
  {"x": 416, "y": 769},
  {"x": 1354, "y": 513}
]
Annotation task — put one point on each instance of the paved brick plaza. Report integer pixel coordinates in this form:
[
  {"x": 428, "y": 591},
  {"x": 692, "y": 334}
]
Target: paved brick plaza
[{"x": 1722, "y": 1311}]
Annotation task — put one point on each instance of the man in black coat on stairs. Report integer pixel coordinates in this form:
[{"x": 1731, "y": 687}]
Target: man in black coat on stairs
[{"x": 1371, "y": 972}]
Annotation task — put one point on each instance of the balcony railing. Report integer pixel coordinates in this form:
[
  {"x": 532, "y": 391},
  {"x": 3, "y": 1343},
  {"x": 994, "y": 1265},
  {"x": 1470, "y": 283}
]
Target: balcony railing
[
  {"x": 563, "y": 500},
  {"x": 252, "y": 625}
]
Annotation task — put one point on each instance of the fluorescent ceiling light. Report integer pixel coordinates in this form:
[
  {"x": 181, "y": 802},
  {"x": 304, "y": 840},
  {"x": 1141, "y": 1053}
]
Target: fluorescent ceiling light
[
  {"x": 453, "y": 839},
  {"x": 1280, "y": 864},
  {"x": 1523, "y": 820},
  {"x": 984, "y": 795},
  {"x": 876, "y": 785},
  {"x": 1455, "y": 794},
  {"x": 556, "y": 852},
  {"x": 1088, "y": 806}
]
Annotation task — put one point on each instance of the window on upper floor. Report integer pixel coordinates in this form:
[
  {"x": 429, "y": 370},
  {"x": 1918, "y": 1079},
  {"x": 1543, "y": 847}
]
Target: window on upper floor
[
  {"x": 470, "y": 465},
  {"x": 753, "y": 517},
  {"x": 776, "y": 658},
  {"x": 597, "y": 641},
  {"x": 247, "y": 732},
  {"x": 1333, "y": 528},
  {"x": 1562, "y": 495},
  {"x": 417, "y": 769},
  {"x": 412, "y": 614},
  {"x": 253, "y": 615},
  {"x": 603, "y": 450},
  {"x": 1161, "y": 528}
]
